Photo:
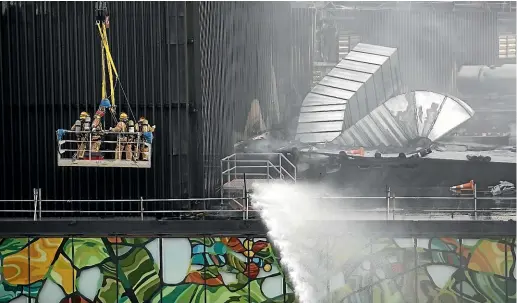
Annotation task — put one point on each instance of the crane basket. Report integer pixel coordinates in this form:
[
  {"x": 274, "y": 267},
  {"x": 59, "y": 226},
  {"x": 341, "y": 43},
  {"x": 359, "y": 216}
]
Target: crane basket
[{"x": 87, "y": 143}]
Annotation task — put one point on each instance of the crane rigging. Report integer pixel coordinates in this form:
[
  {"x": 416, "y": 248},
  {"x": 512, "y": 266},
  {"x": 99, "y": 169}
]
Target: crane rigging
[{"x": 81, "y": 144}]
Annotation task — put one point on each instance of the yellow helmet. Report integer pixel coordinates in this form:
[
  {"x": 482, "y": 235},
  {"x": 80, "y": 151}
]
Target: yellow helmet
[
  {"x": 123, "y": 116},
  {"x": 83, "y": 115}
]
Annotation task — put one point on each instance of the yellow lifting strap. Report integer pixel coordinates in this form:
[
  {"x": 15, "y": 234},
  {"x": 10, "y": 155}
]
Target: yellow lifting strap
[
  {"x": 111, "y": 65},
  {"x": 103, "y": 73},
  {"x": 110, "y": 72}
]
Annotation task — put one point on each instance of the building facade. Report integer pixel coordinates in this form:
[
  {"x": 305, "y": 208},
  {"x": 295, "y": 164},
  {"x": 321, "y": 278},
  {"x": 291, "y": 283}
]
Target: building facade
[{"x": 194, "y": 69}]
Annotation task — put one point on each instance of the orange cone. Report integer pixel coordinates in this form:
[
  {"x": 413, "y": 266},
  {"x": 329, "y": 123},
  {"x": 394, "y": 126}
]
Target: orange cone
[
  {"x": 466, "y": 186},
  {"x": 359, "y": 152}
]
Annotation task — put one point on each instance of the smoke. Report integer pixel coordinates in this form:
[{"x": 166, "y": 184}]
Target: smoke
[{"x": 264, "y": 143}]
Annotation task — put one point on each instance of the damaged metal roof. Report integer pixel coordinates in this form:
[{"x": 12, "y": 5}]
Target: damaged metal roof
[
  {"x": 368, "y": 76},
  {"x": 407, "y": 117}
]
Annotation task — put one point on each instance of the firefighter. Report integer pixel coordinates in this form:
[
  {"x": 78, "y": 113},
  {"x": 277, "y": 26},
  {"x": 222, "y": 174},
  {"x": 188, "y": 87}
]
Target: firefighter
[
  {"x": 83, "y": 124},
  {"x": 122, "y": 139},
  {"x": 97, "y": 128},
  {"x": 97, "y": 133},
  {"x": 143, "y": 127},
  {"x": 131, "y": 139}
]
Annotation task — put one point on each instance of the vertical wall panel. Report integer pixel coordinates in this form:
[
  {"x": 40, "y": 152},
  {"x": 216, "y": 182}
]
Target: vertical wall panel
[
  {"x": 51, "y": 71},
  {"x": 431, "y": 42},
  {"x": 193, "y": 69},
  {"x": 249, "y": 51}
]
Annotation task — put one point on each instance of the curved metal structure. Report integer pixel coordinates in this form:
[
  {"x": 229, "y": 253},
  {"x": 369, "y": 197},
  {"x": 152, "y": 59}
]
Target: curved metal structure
[
  {"x": 368, "y": 76},
  {"x": 407, "y": 118}
]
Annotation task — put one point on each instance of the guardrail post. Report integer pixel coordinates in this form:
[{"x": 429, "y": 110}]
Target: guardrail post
[
  {"x": 117, "y": 146},
  {"x": 138, "y": 146},
  {"x": 475, "y": 202},
  {"x": 244, "y": 208},
  {"x": 280, "y": 166},
  {"x": 295, "y": 169},
  {"x": 39, "y": 202},
  {"x": 35, "y": 197},
  {"x": 230, "y": 168},
  {"x": 222, "y": 178},
  {"x": 246, "y": 197},
  {"x": 267, "y": 171},
  {"x": 142, "y": 208},
  {"x": 388, "y": 202},
  {"x": 90, "y": 147},
  {"x": 392, "y": 197}
]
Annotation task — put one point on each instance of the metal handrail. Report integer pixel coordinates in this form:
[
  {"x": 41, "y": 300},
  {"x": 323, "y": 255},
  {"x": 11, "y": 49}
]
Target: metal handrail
[
  {"x": 418, "y": 198},
  {"x": 102, "y": 132},
  {"x": 37, "y": 209},
  {"x": 468, "y": 210},
  {"x": 250, "y": 154},
  {"x": 267, "y": 162},
  {"x": 510, "y": 211},
  {"x": 234, "y": 168},
  {"x": 233, "y": 158},
  {"x": 138, "y": 136},
  {"x": 291, "y": 164},
  {"x": 399, "y": 212},
  {"x": 218, "y": 199}
]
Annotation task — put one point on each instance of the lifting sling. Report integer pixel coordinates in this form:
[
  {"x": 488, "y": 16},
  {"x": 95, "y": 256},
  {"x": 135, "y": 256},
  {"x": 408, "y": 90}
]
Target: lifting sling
[
  {"x": 107, "y": 62},
  {"x": 106, "y": 54}
]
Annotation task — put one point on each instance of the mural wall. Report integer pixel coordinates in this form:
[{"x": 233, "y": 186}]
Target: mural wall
[{"x": 232, "y": 269}]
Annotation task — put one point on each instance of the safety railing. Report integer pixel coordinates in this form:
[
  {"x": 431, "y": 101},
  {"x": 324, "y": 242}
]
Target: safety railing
[
  {"x": 139, "y": 209},
  {"x": 113, "y": 146},
  {"x": 417, "y": 208},
  {"x": 388, "y": 207},
  {"x": 233, "y": 167}
]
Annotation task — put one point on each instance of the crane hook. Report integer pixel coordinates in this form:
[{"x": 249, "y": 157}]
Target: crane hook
[{"x": 102, "y": 13}]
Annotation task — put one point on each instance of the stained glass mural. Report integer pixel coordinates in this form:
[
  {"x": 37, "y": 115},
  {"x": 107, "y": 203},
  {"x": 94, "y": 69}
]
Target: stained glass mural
[{"x": 234, "y": 269}]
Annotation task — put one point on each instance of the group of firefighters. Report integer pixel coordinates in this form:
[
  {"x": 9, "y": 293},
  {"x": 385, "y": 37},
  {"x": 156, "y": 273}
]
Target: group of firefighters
[{"x": 127, "y": 140}]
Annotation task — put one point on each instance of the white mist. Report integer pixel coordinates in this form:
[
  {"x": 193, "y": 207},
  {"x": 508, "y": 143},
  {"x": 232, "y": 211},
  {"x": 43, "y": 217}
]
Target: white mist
[{"x": 312, "y": 238}]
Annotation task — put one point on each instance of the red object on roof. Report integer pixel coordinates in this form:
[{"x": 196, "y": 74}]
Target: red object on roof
[{"x": 94, "y": 156}]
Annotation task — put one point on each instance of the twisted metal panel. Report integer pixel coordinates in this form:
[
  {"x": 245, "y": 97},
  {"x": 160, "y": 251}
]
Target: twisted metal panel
[
  {"x": 408, "y": 117},
  {"x": 368, "y": 76}
]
